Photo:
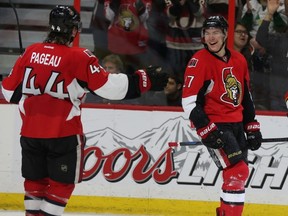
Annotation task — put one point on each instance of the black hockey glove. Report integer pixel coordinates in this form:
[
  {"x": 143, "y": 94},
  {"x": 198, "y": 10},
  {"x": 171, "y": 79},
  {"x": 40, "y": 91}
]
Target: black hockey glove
[
  {"x": 140, "y": 7},
  {"x": 152, "y": 79},
  {"x": 157, "y": 77},
  {"x": 211, "y": 136},
  {"x": 253, "y": 135}
]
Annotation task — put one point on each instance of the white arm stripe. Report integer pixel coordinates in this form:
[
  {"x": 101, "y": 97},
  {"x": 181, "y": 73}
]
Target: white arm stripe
[
  {"x": 7, "y": 94},
  {"x": 188, "y": 104},
  {"x": 115, "y": 88}
]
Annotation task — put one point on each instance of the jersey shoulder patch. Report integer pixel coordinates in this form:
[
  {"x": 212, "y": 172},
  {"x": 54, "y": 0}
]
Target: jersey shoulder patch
[{"x": 193, "y": 62}]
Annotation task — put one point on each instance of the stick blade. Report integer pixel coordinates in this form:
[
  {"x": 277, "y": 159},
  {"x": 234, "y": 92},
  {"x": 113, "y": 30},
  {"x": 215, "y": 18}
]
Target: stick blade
[{"x": 190, "y": 143}]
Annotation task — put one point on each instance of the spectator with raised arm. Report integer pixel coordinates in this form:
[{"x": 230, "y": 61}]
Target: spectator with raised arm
[
  {"x": 254, "y": 12},
  {"x": 277, "y": 46},
  {"x": 252, "y": 16}
]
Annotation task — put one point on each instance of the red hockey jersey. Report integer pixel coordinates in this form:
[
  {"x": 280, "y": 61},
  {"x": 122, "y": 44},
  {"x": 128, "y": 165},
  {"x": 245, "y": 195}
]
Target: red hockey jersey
[
  {"x": 51, "y": 81},
  {"x": 223, "y": 83}
]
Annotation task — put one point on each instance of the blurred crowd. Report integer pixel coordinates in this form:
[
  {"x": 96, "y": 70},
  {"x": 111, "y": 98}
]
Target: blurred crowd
[
  {"x": 164, "y": 34},
  {"x": 132, "y": 34}
]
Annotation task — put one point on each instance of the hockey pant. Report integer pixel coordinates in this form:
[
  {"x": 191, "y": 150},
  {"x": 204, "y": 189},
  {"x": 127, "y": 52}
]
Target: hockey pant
[{"x": 46, "y": 197}]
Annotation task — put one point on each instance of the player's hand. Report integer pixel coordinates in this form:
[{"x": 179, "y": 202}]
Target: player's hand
[
  {"x": 211, "y": 136},
  {"x": 253, "y": 134},
  {"x": 157, "y": 77},
  {"x": 272, "y": 6}
]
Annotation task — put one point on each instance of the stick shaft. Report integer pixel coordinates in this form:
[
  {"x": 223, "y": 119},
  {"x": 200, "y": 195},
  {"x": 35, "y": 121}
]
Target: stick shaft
[
  {"x": 278, "y": 139},
  {"x": 264, "y": 140}
]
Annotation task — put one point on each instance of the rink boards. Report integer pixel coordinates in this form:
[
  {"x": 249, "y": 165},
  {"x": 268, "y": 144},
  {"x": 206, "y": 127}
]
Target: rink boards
[{"x": 132, "y": 164}]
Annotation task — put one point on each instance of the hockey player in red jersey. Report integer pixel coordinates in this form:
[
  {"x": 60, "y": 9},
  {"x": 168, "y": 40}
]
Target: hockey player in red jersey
[
  {"x": 217, "y": 99},
  {"x": 49, "y": 82}
]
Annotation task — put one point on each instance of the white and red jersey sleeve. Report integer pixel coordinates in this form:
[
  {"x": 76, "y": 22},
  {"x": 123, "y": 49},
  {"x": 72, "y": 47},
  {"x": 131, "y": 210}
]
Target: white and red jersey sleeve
[{"x": 49, "y": 82}]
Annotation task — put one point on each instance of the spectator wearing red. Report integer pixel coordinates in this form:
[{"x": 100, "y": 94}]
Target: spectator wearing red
[{"x": 127, "y": 31}]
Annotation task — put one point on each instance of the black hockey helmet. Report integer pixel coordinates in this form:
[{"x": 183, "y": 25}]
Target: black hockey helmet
[
  {"x": 63, "y": 19},
  {"x": 215, "y": 21}
]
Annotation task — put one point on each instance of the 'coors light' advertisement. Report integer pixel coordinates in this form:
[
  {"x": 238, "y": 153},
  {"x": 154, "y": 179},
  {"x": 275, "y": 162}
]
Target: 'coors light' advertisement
[{"x": 116, "y": 153}]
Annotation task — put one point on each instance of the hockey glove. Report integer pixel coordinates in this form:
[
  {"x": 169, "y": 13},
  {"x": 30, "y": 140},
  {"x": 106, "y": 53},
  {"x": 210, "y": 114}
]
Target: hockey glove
[
  {"x": 144, "y": 80},
  {"x": 253, "y": 135},
  {"x": 157, "y": 77},
  {"x": 211, "y": 136}
]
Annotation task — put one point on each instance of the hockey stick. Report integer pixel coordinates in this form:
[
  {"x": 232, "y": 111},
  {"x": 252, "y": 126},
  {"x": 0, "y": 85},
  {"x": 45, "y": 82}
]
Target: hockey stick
[
  {"x": 278, "y": 139},
  {"x": 264, "y": 140}
]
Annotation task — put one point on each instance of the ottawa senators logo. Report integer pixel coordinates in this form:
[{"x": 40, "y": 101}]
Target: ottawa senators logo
[
  {"x": 233, "y": 88},
  {"x": 127, "y": 20}
]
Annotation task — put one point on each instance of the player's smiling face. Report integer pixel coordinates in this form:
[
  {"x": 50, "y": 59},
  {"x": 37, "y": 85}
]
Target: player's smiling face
[{"x": 214, "y": 38}]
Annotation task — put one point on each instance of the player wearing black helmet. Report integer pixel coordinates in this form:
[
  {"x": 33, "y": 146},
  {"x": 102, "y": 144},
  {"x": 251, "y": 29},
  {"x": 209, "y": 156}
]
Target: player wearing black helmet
[
  {"x": 218, "y": 22},
  {"x": 62, "y": 21},
  {"x": 49, "y": 82},
  {"x": 217, "y": 99}
]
